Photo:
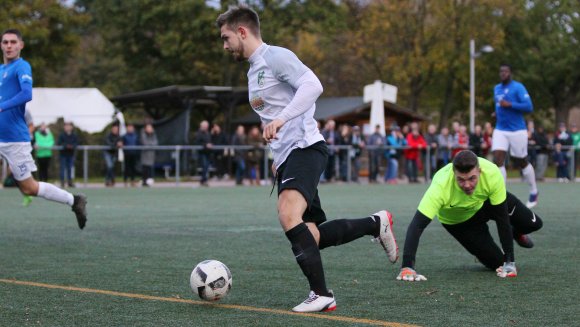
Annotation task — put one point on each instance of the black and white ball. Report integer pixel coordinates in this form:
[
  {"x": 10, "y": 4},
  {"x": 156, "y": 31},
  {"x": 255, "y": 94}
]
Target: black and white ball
[{"x": 211, "y": 280}]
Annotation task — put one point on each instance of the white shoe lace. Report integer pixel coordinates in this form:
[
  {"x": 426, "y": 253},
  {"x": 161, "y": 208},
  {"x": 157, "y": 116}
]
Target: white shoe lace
[{"x": 311, "y": 298}]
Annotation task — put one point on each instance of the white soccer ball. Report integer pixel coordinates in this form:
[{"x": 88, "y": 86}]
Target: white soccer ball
[
  {"x": 150, "y": 181},
  {"x": 211, "y": 280}
]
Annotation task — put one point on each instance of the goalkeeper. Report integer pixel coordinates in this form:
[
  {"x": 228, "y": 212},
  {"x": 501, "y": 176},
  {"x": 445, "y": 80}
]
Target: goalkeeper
[{"x": 465, "y": 195}]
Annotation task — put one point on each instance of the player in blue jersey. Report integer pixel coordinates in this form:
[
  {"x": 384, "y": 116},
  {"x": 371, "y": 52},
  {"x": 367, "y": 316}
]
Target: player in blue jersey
[
  {"x": 512, "y": 101},
  {"x": 15, "y": 148},
  {"x": 283, "y": 91}
]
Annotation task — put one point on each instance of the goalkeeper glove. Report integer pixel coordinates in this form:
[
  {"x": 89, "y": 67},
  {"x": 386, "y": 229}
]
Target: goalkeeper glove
[
  {"x": 507, "y": 270},
  {"x": 410, "y": 275}
]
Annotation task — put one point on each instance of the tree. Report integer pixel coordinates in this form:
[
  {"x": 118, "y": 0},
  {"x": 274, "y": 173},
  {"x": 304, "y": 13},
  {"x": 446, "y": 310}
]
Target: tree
[
  {"x": 50, "y": 33},
  {"x": 543, "y": 46}
]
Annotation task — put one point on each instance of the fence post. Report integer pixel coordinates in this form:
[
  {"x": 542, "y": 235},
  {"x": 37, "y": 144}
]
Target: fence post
[
  {"x": 428, "y": 165},
  {"x": 348, "y": 164},
  {"x": 85, "y": 166},
  {"x": 177, "y": 164}
]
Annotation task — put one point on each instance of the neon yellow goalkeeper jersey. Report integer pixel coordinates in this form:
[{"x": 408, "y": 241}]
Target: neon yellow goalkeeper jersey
[{"x": 451, "y": 205}]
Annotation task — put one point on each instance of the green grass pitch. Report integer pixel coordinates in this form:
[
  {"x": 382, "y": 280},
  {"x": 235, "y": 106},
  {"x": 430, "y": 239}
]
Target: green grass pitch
[{"x": 146, "y": 242}]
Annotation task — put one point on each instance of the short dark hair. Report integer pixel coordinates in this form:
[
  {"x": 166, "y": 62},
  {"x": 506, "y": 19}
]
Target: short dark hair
[
  {"x": 237, "y": 16},
  {"x": 503, "y": 64},
  {"x": 12, "y": 31},
  {"x": 465, "y": 161}
]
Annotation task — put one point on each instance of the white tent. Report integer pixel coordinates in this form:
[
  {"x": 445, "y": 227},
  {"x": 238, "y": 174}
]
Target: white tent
[{"x": 87, "y": 108}]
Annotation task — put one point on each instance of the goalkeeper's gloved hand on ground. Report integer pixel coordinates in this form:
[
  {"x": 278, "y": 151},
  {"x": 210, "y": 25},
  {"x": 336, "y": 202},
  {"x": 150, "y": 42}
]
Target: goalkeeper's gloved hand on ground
[
  {"x": 410, "y": 275},
  {"x": 507, "y": 270}
]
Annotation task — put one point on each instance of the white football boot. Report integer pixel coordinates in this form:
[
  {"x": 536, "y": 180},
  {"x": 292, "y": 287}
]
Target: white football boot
[
  {"x": 316, "y": 303},
  {"x": 387, "y": 238}
]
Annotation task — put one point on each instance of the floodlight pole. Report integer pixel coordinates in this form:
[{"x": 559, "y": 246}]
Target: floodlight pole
[
  {"x": 472, "y": 85},
  {"x": 472, "y": 56}
]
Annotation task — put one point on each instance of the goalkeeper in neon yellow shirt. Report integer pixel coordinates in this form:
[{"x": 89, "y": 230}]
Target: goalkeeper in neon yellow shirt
[{"x": 465, "y": 195}]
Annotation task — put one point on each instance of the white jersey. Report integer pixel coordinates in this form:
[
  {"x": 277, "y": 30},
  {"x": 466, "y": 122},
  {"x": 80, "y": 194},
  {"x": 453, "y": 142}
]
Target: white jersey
[{"x": 274, "y": 78}]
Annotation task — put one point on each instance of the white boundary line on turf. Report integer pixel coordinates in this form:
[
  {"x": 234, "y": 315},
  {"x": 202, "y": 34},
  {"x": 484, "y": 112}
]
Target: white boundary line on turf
[{"x": 217, "y": 305}]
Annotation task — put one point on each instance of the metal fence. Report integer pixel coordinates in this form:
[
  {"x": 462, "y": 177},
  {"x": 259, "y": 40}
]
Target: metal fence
[{"x": 183, "y": 159}]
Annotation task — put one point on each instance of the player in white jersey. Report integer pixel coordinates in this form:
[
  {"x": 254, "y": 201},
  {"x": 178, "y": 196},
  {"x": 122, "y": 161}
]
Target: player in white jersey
[{"x": 283, "y": 92}]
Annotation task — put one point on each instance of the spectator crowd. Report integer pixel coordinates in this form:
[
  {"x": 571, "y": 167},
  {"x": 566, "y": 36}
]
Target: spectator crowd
[{"x": 407, "y": 153}]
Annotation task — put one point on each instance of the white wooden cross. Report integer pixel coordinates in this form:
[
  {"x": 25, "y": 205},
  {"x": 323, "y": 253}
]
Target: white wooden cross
[{"x": 377, "y": 93}]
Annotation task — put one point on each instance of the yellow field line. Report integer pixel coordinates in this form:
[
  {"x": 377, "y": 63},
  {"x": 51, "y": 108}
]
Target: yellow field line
[{"x": 218, "y": 305}]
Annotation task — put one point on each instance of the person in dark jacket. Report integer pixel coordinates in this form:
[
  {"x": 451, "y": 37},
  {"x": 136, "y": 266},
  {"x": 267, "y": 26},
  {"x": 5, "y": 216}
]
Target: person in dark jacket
[
  {"x": 69, "y": 141},
  {"x": 131, "y": 155},
  {"x": 203, "y": 138},
  {"x": 149, "y": 138},
  {"x": 114, "y": 142}
]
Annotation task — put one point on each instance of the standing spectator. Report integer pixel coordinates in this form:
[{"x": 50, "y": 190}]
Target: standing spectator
[
  {"x": 343, "y": 154},
  {"x": 511, "y": 102},
  {"x": 256, "y": 155},
  {"x": 542, "y": 151},
  {"x": 331, "y": 137},
  {"x": 218, "y": 137},
  {"x": 375, "y": 154},
  {"x": 395, "y": 142},
  {"x": 532, "y": 151},
  {"x": 575, "y": 134},
  {"x": 239, "y": 139},
  {"x": 114, "y": 142},
  {"x": 131, "y": 156},
  {"x": 405, "y": 130},
  {"x": 202, "y": 137},
  {"x": 460, "y": 141},
  {"x": 415, "y": 143},
  {"x": 487, "y": 137},
  {"x": 432, "y": 142},
  {"x": 44, "y": 142},
  {"x": 148, "y": 138},
  {"x": 476, "y": 141},
  {"x": 561, "y": 162},
  {"x": 445, "y": 141},
  {"x": 69, "y": 141},
  {"x": 564, "y": 138},
  {"x": 358, "y": 144}
]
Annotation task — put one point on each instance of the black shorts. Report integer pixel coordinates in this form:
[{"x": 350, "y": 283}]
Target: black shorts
[{"x": 301, "y": 171}]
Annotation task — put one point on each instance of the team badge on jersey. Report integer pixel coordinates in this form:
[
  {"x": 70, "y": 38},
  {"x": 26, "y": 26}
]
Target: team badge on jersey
[
  {"x": 257, "y": 103},
  {"x": 261, "y": 78}
]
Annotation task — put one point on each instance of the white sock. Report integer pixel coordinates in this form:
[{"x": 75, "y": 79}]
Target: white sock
[
  {"x": 530, "y": 177},
  {"x": 503, "y": 173},
  {"x": 50, "y": 192}
]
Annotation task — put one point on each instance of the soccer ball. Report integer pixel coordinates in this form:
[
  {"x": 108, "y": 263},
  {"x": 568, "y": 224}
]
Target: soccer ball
[{"x": 211, "y": 280}]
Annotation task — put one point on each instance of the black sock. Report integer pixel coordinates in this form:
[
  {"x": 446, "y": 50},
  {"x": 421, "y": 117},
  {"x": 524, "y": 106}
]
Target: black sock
[
  {"x": 341, "y": 231},
  {"x": 308, "y": 257}
]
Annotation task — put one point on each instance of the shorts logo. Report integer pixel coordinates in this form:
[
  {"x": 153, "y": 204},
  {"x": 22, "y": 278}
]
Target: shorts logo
[
  {"x": 23, "y": 169},
  {"x": 261, "y": 78},
  {"x": 287, "y": 179},
  {"x": 257, "y": 103}
]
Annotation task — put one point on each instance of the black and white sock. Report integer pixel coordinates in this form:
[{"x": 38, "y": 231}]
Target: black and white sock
[
  {"x": 341, "y": 231},
  {"x": 308, "y": 257}
]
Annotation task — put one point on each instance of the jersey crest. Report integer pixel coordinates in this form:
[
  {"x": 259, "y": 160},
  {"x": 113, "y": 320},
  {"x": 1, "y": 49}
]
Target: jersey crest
[
  {"x": 257, "y": 102},
  {"x": 261, "y": 79}
]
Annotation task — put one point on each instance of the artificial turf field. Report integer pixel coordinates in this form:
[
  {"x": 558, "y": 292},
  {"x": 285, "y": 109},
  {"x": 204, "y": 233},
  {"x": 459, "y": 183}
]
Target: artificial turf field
[{"x": 131, "y": 264}]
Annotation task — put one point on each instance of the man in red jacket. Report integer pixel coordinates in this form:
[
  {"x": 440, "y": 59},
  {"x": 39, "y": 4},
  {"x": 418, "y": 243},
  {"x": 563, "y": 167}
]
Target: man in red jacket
[{"x": 415, "y": 142}]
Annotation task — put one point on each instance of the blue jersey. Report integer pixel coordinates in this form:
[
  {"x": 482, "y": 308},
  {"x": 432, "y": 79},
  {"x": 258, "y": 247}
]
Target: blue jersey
[
  {"x": 511, "y": 118},
  {"x": 15, "y": 92}
]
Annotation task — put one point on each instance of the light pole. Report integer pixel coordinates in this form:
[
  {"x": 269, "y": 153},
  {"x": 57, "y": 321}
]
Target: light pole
[{"x": 472, "y": 56}]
